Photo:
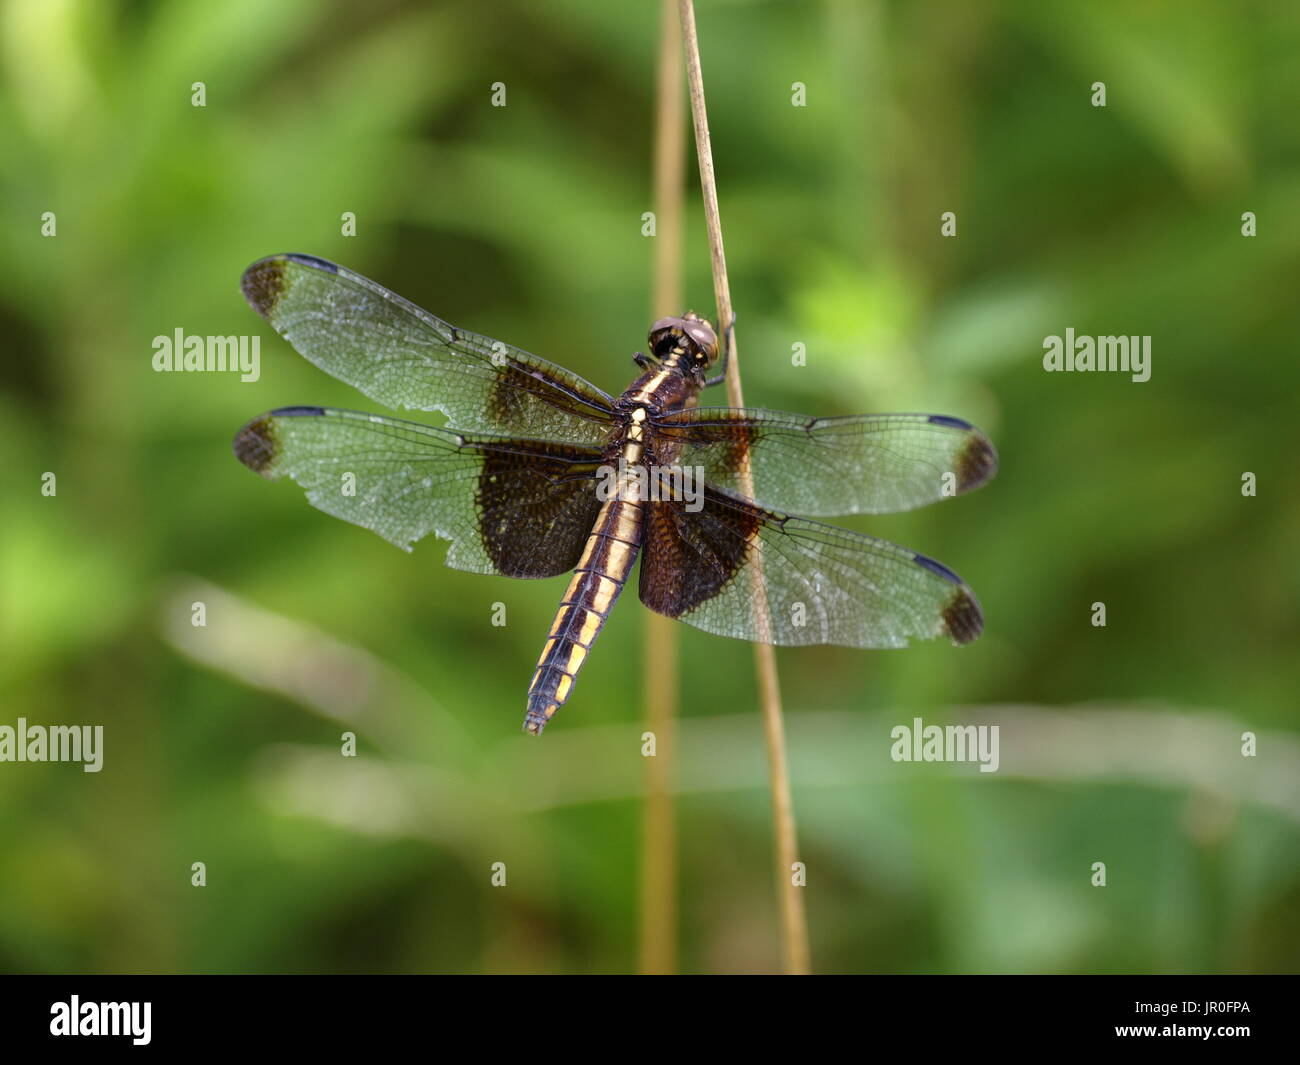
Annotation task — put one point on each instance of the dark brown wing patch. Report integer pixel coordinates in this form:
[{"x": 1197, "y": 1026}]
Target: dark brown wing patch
[
  {"x": 687, "y": 562},
  {"x": 267, "y": 280},
  {"x": 257, "y": 444},
  {"x": 535, "y": 514},
  {"x": 962, "y": 619},
  {"x": 514, "y": 396},
  {"x": 976, "y": 463},
  {"x": 263, "y": 284}
]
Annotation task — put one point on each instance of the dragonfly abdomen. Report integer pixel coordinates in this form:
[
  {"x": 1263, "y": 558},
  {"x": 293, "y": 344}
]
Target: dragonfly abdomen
[{"x": 597, "y": 582}]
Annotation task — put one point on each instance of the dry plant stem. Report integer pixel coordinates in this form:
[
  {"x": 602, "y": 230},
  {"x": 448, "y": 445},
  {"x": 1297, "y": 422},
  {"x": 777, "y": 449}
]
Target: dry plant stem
[
  {"x": 794, "y": 922},
  {"x": 658, "y": 934}
]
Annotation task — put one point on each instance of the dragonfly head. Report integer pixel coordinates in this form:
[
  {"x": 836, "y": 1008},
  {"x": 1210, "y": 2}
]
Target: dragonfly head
[{"x": 690, "y": 334}]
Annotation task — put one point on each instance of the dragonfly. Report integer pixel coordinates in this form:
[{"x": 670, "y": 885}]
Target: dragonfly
[{"x": 538, "y": 473}]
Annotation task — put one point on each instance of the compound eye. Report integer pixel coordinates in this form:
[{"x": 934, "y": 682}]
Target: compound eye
[{"x": 702, "y": 334}]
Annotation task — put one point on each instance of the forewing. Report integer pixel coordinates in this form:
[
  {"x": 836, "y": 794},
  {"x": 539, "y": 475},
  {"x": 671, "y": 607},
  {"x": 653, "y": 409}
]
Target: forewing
[
  {"x": 404, "y": 357},
  {"x": 866, "y": 464}
]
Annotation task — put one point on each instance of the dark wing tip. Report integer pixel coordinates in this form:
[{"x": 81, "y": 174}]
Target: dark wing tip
[
  {"x": 257, "y": 443},
  {"x": 976, "y": 463},
  {"x": 963, "y": 620},
  {"x": 264, "y": 282}
]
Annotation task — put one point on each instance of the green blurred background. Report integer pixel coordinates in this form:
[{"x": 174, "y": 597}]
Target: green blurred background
[{"x": 1119, "y": 744}]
